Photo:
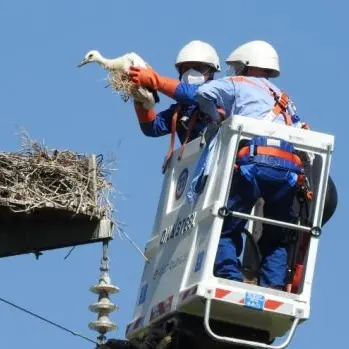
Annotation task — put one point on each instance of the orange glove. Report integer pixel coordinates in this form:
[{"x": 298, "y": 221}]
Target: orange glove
[{"x": 149, "y": 78}]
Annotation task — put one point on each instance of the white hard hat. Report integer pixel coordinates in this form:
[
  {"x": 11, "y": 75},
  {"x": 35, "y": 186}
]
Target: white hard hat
[
  {"x": 257, "y": 54},
  {"x": 198, "y": 51}
]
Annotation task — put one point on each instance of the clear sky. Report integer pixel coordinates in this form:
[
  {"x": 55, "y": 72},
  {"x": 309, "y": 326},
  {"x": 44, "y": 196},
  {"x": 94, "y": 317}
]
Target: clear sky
[{"x": 42, "y": 41}]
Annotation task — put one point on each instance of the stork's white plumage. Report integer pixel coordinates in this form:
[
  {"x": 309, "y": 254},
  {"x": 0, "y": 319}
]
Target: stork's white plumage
[{"x": 119, "y": 68}]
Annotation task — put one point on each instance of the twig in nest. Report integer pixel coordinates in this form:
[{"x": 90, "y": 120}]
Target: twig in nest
[
  {"x": 120, "y": 82},
  {"x": 37, "y": 177}
]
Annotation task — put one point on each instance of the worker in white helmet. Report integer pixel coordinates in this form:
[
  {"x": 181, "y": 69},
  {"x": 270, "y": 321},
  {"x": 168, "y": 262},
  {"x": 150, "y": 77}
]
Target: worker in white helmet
[
  {"x": 196, "y": 63},
  {"x": 274, "y": 171},
  {"x": 266, "y": 167}
]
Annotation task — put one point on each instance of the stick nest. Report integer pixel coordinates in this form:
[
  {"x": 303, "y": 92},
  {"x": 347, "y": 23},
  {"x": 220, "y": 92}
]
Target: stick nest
[{"x": 36, "y": 177}]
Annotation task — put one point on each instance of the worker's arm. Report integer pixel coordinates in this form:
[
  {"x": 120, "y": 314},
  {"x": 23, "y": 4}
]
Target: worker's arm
[
  {"x": 185, "y": 93},
  {"x": 181, "y": 92},
  {"x": 216, "y": 94},
  {"x": 154, "y": 124},
  {"x": 220, "y": 96}
]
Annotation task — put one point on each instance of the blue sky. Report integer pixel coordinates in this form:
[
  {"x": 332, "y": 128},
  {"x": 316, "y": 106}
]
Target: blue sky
[{"x": 41, "y": 42}]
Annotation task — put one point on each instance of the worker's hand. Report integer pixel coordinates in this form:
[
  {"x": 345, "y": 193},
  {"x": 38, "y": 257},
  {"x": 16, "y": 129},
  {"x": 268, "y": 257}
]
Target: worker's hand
[
  {"x": 149, "y": 78},
  {"x": 145, "y": 77}
]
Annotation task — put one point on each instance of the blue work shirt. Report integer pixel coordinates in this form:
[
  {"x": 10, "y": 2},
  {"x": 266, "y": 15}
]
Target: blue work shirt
[
  {"x": 185, "y": 97},
  {"x": 248, "y": 96},
  {"x": 161, "y": 125}
]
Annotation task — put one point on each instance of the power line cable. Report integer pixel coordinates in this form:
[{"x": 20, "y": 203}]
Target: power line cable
[{"x": 48, "y": 321}]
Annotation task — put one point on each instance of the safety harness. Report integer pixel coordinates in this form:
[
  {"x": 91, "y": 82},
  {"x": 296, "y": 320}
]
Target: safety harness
[
  {"x": 259, "y": 151},
  {"x": 174, "y": 120}
]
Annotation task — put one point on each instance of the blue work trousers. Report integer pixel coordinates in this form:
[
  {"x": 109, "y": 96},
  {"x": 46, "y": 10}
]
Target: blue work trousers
[{"x": 278, "y": 189}]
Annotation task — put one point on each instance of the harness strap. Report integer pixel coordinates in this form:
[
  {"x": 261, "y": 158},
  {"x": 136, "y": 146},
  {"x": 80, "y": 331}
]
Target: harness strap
[
  {"x": 244, "y": 79},
  {"x": 263, "y": 150},
  {"x": 173, "y": 137},
  {"x": 280, "y": 106}
]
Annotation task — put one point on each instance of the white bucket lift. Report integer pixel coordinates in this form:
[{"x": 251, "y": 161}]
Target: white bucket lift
[{"x": 179, "y": 275}]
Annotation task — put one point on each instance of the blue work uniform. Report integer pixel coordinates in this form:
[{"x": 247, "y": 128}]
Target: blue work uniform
[{"x": 257, "y": 176}]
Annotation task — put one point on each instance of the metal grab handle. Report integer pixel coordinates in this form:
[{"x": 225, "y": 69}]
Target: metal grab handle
[
  {"x": 224, "y": 212},
  {"x": 244, "y": 342}
]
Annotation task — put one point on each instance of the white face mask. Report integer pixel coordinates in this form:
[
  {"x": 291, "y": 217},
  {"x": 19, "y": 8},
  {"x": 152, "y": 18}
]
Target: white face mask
[{"x": 193, "y": 77}]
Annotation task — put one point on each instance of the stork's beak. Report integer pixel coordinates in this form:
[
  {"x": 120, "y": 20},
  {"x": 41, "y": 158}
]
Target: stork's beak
[{"x": 83, "y": 62}]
